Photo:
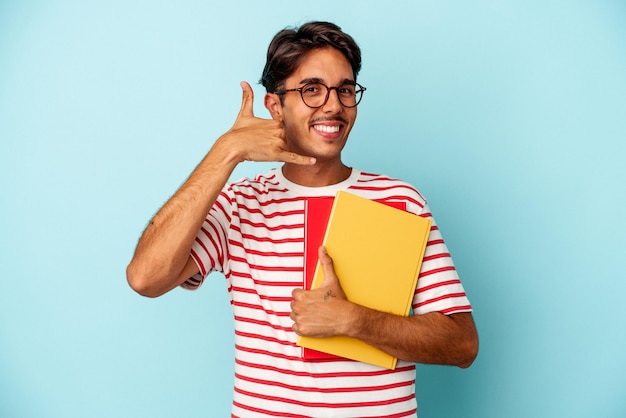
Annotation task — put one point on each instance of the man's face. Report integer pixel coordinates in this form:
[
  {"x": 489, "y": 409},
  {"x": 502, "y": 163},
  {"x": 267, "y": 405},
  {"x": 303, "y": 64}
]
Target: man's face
[{"x": 322, "y": 132}]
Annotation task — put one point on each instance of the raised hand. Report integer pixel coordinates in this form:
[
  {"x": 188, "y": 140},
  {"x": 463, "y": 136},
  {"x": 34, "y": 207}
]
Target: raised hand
[{"x": 257, "y": 139}]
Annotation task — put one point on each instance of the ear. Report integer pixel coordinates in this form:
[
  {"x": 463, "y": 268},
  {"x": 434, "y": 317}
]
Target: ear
[{"x": 273, "y": 105}]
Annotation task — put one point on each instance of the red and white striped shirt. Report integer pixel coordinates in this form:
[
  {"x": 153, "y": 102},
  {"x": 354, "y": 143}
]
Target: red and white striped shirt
[{"x": 254, "y": 234}]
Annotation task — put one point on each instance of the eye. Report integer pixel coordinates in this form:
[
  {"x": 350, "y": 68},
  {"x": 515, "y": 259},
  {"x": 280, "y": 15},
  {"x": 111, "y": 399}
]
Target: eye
[
  {"x": 311, "y": 89},
  {"x": 346, "y": 90}
]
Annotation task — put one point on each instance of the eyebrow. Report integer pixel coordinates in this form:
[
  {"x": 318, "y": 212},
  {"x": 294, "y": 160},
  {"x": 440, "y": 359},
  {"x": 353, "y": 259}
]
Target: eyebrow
[{"x": 321, "y": 81}]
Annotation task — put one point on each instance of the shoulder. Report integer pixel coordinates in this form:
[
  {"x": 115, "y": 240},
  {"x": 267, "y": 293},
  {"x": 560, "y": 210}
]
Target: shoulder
[
  {"x": 383, "y": 187},
  {"x": 263, "y": 190},
  {"x": 259, "y": 185}
]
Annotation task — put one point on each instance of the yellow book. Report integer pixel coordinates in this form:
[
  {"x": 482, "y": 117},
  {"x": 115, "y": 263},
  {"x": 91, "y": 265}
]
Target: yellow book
[{"x": 377, "y": 252}]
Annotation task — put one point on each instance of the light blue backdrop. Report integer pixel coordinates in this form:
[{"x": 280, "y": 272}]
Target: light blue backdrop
[{"x": 508, "y": 115}]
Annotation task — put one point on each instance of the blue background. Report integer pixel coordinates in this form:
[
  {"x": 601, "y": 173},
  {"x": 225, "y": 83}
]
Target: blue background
[{"x": 507, "y": 115}]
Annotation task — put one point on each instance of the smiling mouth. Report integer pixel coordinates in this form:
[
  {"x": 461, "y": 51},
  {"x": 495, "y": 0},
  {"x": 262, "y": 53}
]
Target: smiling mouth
[{"x": 329, "y": 129}]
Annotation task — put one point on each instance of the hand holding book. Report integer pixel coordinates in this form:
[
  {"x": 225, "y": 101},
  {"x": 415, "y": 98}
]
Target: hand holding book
[{"x": 321, "y": 312}]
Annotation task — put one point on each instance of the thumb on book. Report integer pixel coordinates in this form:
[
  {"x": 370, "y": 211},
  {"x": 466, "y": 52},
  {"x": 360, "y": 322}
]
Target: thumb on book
[{"x": 330, "y": 277}]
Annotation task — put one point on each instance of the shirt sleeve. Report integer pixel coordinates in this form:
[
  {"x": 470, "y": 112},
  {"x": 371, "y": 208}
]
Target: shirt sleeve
[
  {"x": 209, "y": 249},
  {"x": 439, "y": 288}
]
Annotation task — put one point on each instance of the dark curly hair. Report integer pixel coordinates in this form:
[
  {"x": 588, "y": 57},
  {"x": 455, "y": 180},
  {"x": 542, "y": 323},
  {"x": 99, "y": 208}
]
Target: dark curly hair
[{"x": 289, "y": 47}]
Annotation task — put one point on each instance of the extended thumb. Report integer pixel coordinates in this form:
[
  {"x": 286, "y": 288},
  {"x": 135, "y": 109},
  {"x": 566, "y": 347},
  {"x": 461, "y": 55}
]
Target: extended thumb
[
  {"x": 329, "y": 269},
  {"x": 247, "y": 100}
]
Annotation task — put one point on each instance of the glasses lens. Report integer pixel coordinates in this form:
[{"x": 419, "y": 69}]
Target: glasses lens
[
  {"x": 314, "y": 94},
  {"x": 347, "y": 95}
]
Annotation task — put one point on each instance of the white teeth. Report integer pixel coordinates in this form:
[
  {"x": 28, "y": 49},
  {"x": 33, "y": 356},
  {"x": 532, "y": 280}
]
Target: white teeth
[{"x": 327, "y": 129}]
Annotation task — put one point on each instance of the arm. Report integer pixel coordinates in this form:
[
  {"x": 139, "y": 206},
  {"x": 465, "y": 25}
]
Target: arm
[
  {"x": 432, "y": 338},
  {"x": 161, "y": 260}
]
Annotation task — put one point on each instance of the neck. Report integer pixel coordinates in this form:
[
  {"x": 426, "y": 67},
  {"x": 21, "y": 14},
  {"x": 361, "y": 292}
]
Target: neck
[{"x": 318, "y": 175}]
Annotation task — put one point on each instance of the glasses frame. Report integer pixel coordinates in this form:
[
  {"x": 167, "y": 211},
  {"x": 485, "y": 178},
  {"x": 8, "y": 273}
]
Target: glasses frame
[{"x": 359, "y": 91}]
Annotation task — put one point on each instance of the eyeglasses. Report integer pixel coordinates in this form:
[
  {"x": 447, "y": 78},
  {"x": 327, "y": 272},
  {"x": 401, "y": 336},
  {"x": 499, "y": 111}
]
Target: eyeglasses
[{"x": 315, "y": 95}]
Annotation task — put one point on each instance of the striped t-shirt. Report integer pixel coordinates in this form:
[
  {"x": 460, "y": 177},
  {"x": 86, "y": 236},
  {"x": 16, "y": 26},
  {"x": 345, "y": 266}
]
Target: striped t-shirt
[{"x": 254, "y": 234}]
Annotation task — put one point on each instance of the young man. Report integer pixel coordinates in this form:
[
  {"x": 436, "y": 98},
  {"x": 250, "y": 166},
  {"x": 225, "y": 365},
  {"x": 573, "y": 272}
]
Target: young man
[{"x": 252, "y": 231}]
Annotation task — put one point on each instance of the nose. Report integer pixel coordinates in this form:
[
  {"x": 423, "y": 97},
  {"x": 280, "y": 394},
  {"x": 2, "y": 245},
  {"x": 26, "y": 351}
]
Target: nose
[{"x": 333, "y": 105}]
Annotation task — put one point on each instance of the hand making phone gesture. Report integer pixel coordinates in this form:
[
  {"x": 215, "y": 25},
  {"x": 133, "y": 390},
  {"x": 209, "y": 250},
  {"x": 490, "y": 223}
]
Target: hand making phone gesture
[{"x": 257, "y": 139}]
